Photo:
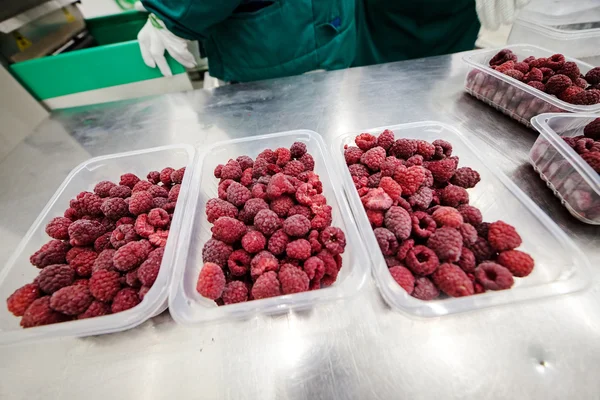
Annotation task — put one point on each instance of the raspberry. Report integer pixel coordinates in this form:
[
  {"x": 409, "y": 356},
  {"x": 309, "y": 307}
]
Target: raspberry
[
  {"x": 468, "y": 233},
  {"x": 296, "y": 225},
  {"x": 254, "y": 241},
  {"x": 465, "y": 177},
  {"x": 352, "y": 155},
  {"x": 298, "y": 209},
  {"x": 131, "y": 279},
  {"x": 453, "y": 281},
  {"x": 391, "y": 187},
  {"x": 293, "y": 168},
  {"x": 592, "y": 130},
  {"x": 153, "y": 177},
  {"x": 315, "y": 270},
  {"x": 120, "y": 191},
  {"x": 283, "y": 156},
  {"x": 278, "y": 186},
  {"x": 447, "y": 244},
  {"x": 102, "y": 188},
  {"x": 404, "y": 248},
  {"x": 539, "y": 63},
  {"x": 141, "y": 186},
  {"x": 263, "y": 262},
  {"x": 72, "y": 214},
  {"x": 586, "y": 97},
  {"x": 282, "y": 205},
  {"x": 515, "y": 74},
  {"x": 308, "y": 161},
  {"x": 365, "y": 141},
  {"x": 259, "y": 191},
  {"x": 96, "y": 309},
  {"x": 158, "y": 191},
  {"x": 537, "y": 85},
  {"x": 239, "y": 262},
  {"x": 104, "y": 260},
  {"x": 268, "y": 155},
  {"x": 421, "y": 199},
  {"x": 267, "y": 285},
  {"x": 216, "y": 208},
  {"x": 358, "y": 170},
  {"x": 55, "y": 277},
  {"x": 519, "y": 264},
  {"x": 217, "y": 252},
  {"x": 507, "y": 66},
  {"x": 557, "y": 61},
  {"x": 114, "y": 208},
  {"x": 417, "y": 159},
  {"x": 237, "y": 194},
  {"x": 529, "y": 59},
  {"x": 425, "y": 289},
  {"x": 580, "y": 82},
  {"x": 569, "y": 69},
  {"x": 159, "y": 238},
  {"x": 165, "y": 175},
  {"x": 177, "y": 175},
  {"x": 389, "y": 166},
  {"x": 387, "y": 241},
  {"x": 91, "y": 204},
  {"x": 534, "y": 75},
  {"x": 143, "y": 227},
  {"x": 267, "y": 222},
  {"x": 593, "y": 159},
  {"x": 503, "y": 56},
  {"x": 292, "y": 279},
  {"x": 58, "y": 228},
  {"x": 503, "y": 236},
  {"x": 443, "y": 148},
  {"x": 403, "y": 148},
  {"x": 333, "y": 239},
  {"x": 228, "y": 230},
  {"x": 299, "y": 249},
  {"x": 423, "y": 225},
  {"x": 298, "y": 149},
  {"x": 71, "y": 300},
  {"x": 454, "y": 196},
  {"x": 232, "y": 170},
  {"x": 83, "y": 232},
  {"x": 141, "y": 202},
  {"x": 315, "y": 245},
  {"x": 131, "y": 255},
  {"x": 122, "y": 235},
  {"x": 470, "y": 214},
  {"x": 373, "y": 158},
  {"x": 84, "y": 262},
  {"x": 442, "y": 170},
  {"x": 447, "y": 216},
  {"x": 148, "y": 271},
  {"x": 129, "y": 180},
  {"x": 124, "y": 300},
  {"x": 39, "y": 313},
  {"x": 483, "y": 229},
  {"x": 584, "y": 145},
  {"x": 493, "y": 276},
  {"x": 373, "y": 181},
  {"x": 467, "y": 261},
  {"x": 377, "y": 199},
  {"x": 246, "y": 179},
  {"x": 425, "y": 149},
  {"x": 322, "y": 217},
  {"x": 22, "y": 298},
  {"x": 278, "y": 242},
  {"x": 375, "y": 218},
  {"x": 235, "y": 292},
  {"x": 174, "y": 193},
  {"x": 522, "y": 67},
  {"x": 421, "y": 260},
  {"x": 158, "y": 218},
  {"x": 104, "y": 284},
  {"x": 331, "y": 270},
  {"x": 482, "y": 250},
  {"x": 403, "y": 277},
  {"x": 557, "y": 84},
  {"x": 593, "y": 76},
  {"x": 399, "y": 222}
]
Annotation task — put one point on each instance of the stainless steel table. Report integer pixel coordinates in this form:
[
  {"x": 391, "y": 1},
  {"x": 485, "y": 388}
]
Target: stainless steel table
[{"x": 358, "y": 349}]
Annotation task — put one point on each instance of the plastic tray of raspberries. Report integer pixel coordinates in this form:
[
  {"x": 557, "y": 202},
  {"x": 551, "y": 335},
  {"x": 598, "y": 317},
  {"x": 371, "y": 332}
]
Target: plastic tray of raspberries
[
  {"x": 524, "y": 80},
  {"x": 567, "y": 157},
  {"x": 448, "y": 229},
  {"x": 273, "y": 233},
  {"x": 79, "y": 288}
]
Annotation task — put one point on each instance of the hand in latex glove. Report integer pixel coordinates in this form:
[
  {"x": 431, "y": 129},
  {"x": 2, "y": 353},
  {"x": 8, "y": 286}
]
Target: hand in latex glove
[
  {"x": 155, "y": 38},
  {"x": 493, "y": 13}
]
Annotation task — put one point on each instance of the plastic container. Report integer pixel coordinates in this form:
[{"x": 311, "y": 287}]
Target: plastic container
[
  {"x": 187, "y": 306},
  {"x": 571, "y": 179},
  {"x": 18, "y": 271},
  {"x": 560, "y": 266},
  {"x": 514, "y": 98}
]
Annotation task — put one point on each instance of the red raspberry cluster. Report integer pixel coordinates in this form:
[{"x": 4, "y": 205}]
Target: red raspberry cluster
[
  {"x": 105, "y": 252},
  {"x": 431, "y": 238},
  {"x": 271, "y": 232},
  {"x": 553, "y": 75},
  {"x": 588, "y": 144}
]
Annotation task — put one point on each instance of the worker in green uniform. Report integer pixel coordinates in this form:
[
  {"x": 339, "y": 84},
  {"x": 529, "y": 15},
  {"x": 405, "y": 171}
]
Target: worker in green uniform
[{"x": 248, "y": 40}]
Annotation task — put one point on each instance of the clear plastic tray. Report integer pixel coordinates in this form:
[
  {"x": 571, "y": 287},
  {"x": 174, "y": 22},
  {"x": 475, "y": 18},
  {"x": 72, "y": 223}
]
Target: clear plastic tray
[
  {"x": 18, "y": 271},
  {"x": 560, "y": 266},
  {"x": 571, "y": 179},
  {"x": 187, "y": 306},
  {"x": 514, "y": 98}
]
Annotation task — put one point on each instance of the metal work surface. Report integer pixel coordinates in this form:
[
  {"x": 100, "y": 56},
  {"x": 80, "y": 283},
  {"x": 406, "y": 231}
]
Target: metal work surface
[{"x": 357, "y": 349}]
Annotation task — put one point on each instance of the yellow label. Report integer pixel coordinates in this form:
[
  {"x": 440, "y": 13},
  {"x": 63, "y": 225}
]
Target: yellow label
[
  {"x": 70, "y": 17},
  {"x": 22, "y": 41}
]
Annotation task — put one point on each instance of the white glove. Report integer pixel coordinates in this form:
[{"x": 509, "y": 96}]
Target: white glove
[
  {"x": 155, "y": 38},
  {"x": 493, "y": 13}
]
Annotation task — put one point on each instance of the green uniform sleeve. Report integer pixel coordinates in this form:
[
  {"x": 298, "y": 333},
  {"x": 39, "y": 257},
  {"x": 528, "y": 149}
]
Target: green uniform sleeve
[{"x": 191, "y": 19}]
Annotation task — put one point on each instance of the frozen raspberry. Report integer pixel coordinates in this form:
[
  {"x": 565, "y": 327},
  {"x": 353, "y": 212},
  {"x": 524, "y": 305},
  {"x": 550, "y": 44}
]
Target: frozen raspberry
[
  {"x": 534, "y": 75},
  {"x": 403, "y": 148},
  {"x": 417, "y": 159},
  {"x": 373, "y": 158},
  {"x": 159, "y": 238},
  {"x": 91, "y": 204},
  {"x": 74, "y": 252},
  {"x": 373, "y": 181},
  {"x": 153, "y": 177},
  {"x": 425, "y": 289},
  {"x": 443, "y": 148},
  {"x": 239, "y": 262},
  {"x": 377, "y": 199},
  {"x": 237, "y": 194},
  {"x": 547, "y": 73},
  {"x": 404, "y": 248},
  {"x": 83, "y": 232},
  {"x": 267, "y": 222},
  {"x": 298, "y": 209},
  {"x": 365, "y": 141},
  {"x": 503, "y": 56},
  {"x": 586, "y": 97},
  {"x": 165, "y": 175},
  {"x": 467, "y": 261},
  {"x": 584, "y": 145},
  {"x": 539, "y": 63},
  {"x": 102, "y": 188},
  {"x": 593, "y": 76},
  {"x": 158, "y": 191},
  {"x": 58, "y": 228},
  {"x": 333, "y": 239},
  {"x": 231, "y": 170},
  {"x": 423, "y": 225},
  {"x": 95, "y": 309},
  {"x": 308, "y": 161},
  {"x": 115, "y": 208},
  {"x": 131, "y": 255},
  {"x": 120, "y": 191},
  {"x": 131, "y": 279},
  {"x": 122, "y": 235},
  {"x": 282, "y": 205},
  {"x": 216, "y": 208},
  {"x": 391, "y": 187},
  {"x": 315, "y": 245},
  {"x": 522, "y": 67},
  {"x": 421, "y": 260},
  {"x": 453, "y": 281},
  {"x": 358, "y": 170},
  {"x": 569, "y": 69},
  {"x": 22, "y": 298},
  {"x": 278, "y": 242},
  {"x": 331, "y": 267},
  {"x": 493, "y": 276},
  {"x": 322, "y": 217},
  {"x": 55, "y": 277},
  {"x": 410, "y": 179},
  {"x": 104, "y": 260},
  {"x": 465, "y": 177},
  {"x": 158, "y": 218},
  {"x": 529, "y": 60},
  {"x": 557, "y": 84},
  {"x": 268, "y": 155},
  {"x": 124, "y": 300},
  {"x": 387, "y": 241},
  {"x": 482, "y": 250},
  {"x": 392, "y": 261},
  {"x": 389, "y": 165},
  {"x": 278, "y": 186},
  {"x": 447, "y": 216},
  {"x": 352, "y": 155},
  {"x": 556, "y": 62},
  {"x": 83, "y": 263},
  {"x": 447, "y": 244},
  {"x": 245, "y": 162},
  {"x": 293, "y": 168},
  {"x": 593, "y": 159},
  {"x": 468, "y": 233},
  {"x": 520, "y": 264},
  {"x": 515, "y": 74},
  {"x": 254, "y": 241},
  {"x": 503, "y": 236},
  {"x": 140, "y": 203},
  {"x": 296, "y": 226},
  {"x": 580, "y": 82},
  {"x": 299, "y": 249},
  {"x": 505, "y": 67},
  {"x": 235, "y": 292},
  {"x": 421, "y": 199},
  {"x": 315, "y": 270},
  {"x": 129, "y": 180},
  {"x": 592, "y": 130},
  {"x": 148, "y": 271},
  {"x": 399, "y": 222},
  {"x": 470, "y": 214},
  {"x": 283, "y": 156},
  {"x": 177, "y": 175},
  {"x": 454, "y": 196},
  {"x": 141, "y": 186},
  {"x": 174, "y": 193},
  {"x": 263, "y": 262},
  {"x": 292, "y": 279},
  {"x": 246, "y": 179},
  {"x": 104, "y": 284},
  {"x": 298, "y": 149},
  {"x": 375, "y": 218},
  {"x": 72, "y": 214},
  {"x": 39, "y": 313},
  {"x": 404, "y": 278},
  {"x": 217, "y": 252},
  {"x": 267, "y": 285},
  {"x": 228, "y": 230},
  {"x": 483, "y": 229},
  {"x": 71, "y": 300}
]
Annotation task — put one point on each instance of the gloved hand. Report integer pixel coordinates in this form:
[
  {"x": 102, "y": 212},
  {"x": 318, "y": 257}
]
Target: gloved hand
[
  {"x": 493, "y": 13},
  {"x": 155, "y": 38}
]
